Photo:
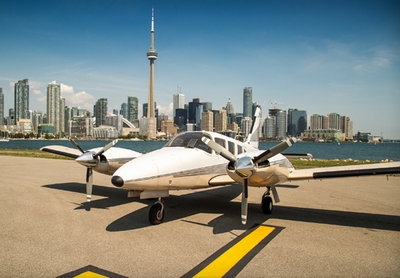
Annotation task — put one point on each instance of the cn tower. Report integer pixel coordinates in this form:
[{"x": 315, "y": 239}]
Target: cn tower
[{"x": 152, "y": 56}]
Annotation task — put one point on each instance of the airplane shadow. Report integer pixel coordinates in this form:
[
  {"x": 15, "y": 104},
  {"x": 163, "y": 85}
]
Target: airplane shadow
[
  {"x": 113, "y": 196},
  {"x": 218, "y": 201}
]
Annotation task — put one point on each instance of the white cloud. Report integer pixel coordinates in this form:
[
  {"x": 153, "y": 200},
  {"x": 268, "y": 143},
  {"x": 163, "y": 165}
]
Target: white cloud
[
  {"x": 80, "y": 99},
  {"x": 379, "y": 59},
  {"x": 166, "y": 110}
]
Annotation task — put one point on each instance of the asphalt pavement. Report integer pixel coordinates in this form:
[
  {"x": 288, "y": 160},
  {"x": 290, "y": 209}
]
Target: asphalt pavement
[{"x": 338, "y": 227}]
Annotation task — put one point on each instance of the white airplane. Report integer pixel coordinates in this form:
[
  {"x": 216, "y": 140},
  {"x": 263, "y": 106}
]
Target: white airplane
[
  {"x": 104, "y": 160},
  {"x": 193, "y": 160}
]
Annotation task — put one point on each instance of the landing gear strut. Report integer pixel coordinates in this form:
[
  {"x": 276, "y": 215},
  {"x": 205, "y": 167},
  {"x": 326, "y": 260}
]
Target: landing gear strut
[
  {"x": 266, "y": 202},
  {"x": 156, "y": 213}
]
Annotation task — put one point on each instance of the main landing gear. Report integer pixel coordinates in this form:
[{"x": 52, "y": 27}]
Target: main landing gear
[
  {"x": 156, "y": 213},
  {"x": 266, "y": 202}
]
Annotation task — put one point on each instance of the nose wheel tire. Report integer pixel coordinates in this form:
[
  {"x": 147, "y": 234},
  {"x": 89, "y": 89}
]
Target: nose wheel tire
[
  {"x": 267, "y": 205},
  {"x": 156, "y": 213}
]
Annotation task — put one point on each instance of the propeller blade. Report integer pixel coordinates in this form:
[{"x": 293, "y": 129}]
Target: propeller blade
[
  {"x": 76, "y": 145},
  {"x": 244, "y": 202},
  {"x": 219, "y": 149},
  {"x": 89, "y": 183},
  {"x": 105, "y": 148},
  {"x": 274, "y": 150}
]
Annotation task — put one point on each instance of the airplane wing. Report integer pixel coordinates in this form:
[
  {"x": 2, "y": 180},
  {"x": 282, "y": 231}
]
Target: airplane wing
[
  {"x": 221, "y": 180},
  {"x": 61, "y": 150},
  {"x": 390, "y": 168}
]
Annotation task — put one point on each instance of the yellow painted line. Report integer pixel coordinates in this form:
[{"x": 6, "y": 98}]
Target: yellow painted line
[
  {"x": 221, "y": 265},
  {"x": 90, "y": 274}
]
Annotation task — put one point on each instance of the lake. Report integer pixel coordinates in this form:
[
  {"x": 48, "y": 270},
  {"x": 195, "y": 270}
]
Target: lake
[{"x": 360, "y": 151}]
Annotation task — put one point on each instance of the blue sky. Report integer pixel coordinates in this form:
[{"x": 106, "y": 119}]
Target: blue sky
[{"x": 318, "y": 56}]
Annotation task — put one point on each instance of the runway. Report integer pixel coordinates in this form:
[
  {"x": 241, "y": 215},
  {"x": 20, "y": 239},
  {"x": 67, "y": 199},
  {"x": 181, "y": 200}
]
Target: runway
[{"x": 338, "y": 227}]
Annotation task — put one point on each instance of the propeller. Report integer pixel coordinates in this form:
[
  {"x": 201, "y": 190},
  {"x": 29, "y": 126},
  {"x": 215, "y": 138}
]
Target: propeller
[
  {"x": 274, "y": 150},
  {"x": 244, "y": 166},
  {"x": 89, "y": 159}
]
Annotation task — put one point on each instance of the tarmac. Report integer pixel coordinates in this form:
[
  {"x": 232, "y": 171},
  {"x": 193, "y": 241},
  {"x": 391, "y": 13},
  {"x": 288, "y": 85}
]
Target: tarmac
[{"x": 331, "y": 228}]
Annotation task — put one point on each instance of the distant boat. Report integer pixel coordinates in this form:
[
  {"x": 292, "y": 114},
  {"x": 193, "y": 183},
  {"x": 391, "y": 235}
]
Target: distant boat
[
  {"x": 136, "y": 139},
  {"x": 4, "y": 140}
]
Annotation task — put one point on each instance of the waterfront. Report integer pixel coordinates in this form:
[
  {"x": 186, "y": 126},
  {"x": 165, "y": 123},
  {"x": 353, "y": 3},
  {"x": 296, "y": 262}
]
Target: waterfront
[{"x": 360, "y": 151}]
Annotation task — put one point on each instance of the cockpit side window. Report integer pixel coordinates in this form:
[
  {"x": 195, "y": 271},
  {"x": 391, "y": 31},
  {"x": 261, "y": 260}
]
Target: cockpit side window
[
  {"x": 231, "y": 147},
  {"x": 220, "y": 141},
  {"x": 239, "y": 149}
]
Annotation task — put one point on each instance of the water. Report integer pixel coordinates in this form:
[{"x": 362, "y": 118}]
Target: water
[{"x": 360, "y": 151}]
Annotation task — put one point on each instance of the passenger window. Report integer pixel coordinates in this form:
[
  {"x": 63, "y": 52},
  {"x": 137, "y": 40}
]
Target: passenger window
[
  {"x": 240, "y": 149},
  {"x": 231, "y": 147},
  {"x": 220, "y": 142}
]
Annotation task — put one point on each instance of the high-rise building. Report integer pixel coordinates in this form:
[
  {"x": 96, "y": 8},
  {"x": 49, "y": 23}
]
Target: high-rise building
[
  {"x": 192, "y": 110},
  {"x": 180, "y": 118},
  {"x": 334, "y": 121},
  {"x": 53, "y": 106},
  {"x": 247, "y": 102},
  {"x": 207, "y": 120},
  {"x": 62, "y": 115},
  {"x": 229, "y": 108},
  {"x": 1, "y": 107},
  {"x": 220, "y": 121},
  {"x": 100, "y": 111},
  {"x": 21, "y": 100},
  {"x": 152, "y": 56},
  {"x": 315, "y": 122},
  {"x": 133, "y": 110},
  {"x": 281, "y": 123},
  {"x": 178, "y": 102},
  {"x": 246, "y": 126},
  {"x": 270, "y": 127},
  {"x": 297, "y": 122},
  {"x": 199, "y": 110},
  {"x": 124, "y": 110},
  {"x": 206, "y": 106}
]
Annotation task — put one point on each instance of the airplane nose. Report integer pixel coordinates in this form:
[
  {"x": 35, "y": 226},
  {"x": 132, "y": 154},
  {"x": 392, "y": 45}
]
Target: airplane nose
[{"x": 117, "y": 181}]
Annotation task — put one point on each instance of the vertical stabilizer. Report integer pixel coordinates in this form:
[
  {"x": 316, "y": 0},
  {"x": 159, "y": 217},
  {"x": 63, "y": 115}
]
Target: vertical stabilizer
[{"x": 253, "y": 137}]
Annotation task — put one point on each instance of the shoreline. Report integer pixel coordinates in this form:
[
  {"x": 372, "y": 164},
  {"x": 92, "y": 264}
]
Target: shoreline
[{"x": 297, "y": 163}]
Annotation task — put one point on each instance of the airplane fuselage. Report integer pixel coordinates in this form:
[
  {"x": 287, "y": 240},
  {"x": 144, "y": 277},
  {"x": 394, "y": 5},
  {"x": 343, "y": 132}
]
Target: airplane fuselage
[{"x": 187, "y": 163}]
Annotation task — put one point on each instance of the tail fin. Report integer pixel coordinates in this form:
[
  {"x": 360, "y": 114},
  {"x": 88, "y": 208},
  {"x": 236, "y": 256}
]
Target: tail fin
[{"x": 254, "y": 134}]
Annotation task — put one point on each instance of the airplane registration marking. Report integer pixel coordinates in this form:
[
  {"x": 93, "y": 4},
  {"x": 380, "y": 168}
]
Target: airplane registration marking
[{"x": 226, "y": 261}]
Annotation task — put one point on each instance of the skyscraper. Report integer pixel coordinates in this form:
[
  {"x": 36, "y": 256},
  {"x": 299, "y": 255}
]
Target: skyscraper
[
  {"x": 21, "y": 100},
  {"x": 133, "y": 110},
  {"x": 152, "y": 56},
  {"x": 100, "y": 111},
  {"x": 53, "y": 106},
  {"x": 124, "y": 110},
  {"x": 1, "y": 107},
  {"x": 297, "y": 122},
  {"x": 178, "y": 102},
  {"x": 229, "y": 108},
  {"x": 247, "y": 102}
]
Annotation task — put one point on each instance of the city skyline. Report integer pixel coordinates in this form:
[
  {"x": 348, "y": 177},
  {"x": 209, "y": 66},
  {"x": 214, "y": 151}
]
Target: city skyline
[{"x": 322, "y": 57}]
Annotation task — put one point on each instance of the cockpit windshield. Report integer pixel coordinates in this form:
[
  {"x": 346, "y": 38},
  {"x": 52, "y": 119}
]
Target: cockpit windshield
[{"x": 190, "y": 140}]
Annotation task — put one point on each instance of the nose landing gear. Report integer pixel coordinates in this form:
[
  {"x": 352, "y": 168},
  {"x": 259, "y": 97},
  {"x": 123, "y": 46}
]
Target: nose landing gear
[{"x": 156, "y": 213}]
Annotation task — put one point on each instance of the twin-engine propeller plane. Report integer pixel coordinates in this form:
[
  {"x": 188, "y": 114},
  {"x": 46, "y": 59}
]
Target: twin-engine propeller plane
[
  {"x": 203, "y": 159},
  {"x": 105, "y": 160}
]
